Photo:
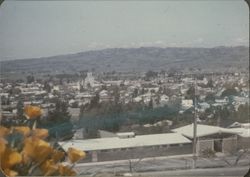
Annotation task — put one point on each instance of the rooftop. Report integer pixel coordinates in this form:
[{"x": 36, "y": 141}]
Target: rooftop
[
  {"x": 116, "y": 143},
  {"x": 202, "y": 130},
  {"x": 242, "y": 132}
]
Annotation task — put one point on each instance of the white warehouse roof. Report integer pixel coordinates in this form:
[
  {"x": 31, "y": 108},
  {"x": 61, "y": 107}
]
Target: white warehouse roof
[
  {"x": 117, "y": 143},
  {"x": 202, "y": 130}
]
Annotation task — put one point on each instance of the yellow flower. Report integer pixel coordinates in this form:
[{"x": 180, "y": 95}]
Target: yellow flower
[
  {"x": 57, "y": 156},
  {"x": 28, "y": 151},
  {"x": 36, "y": 149},
  {"x": 25, "y": 158},
  {"x": 10, "y": 158},
  {"x": 43, "y": 150},
  {"x": 40, "y": 133},
  {"x": 23, "y": 130},
  {"x": 75, "y": 154},
  {"x": 4, "y": 131},
  {"x": 48, "y": 167},
  {"x": 3, "y": 143},
  {"x": 66, "y": 171},
  {"x": 32, "y": 112},
  {"x": 9, "y": 172}
]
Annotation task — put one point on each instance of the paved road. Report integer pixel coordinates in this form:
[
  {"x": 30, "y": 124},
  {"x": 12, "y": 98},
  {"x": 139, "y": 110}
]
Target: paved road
[
  {"x": 235, "y": 172},
  {"x": 161, "y": 164},
  {"x": 215, "y": 172}
]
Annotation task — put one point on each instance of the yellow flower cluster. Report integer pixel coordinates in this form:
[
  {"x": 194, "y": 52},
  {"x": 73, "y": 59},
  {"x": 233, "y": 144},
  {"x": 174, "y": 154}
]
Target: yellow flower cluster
[
  {"x": 36, "y": 156},
  {"x": 32, "y": 112}
]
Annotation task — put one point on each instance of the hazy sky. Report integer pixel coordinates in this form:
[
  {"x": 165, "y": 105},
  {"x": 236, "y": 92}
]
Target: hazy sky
[{"x": 44, "y": 28}]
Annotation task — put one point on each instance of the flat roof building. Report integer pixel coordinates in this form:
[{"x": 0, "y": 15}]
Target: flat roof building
[
  {"x": 115, "y": 148},
  {"x": 212, "y": 138}
]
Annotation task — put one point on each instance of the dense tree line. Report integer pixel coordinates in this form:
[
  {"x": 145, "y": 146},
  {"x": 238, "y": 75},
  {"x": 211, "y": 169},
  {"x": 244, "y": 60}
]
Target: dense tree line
[
  {"x": 58, "y": 121},
  {"x": 112, "y": 115}
]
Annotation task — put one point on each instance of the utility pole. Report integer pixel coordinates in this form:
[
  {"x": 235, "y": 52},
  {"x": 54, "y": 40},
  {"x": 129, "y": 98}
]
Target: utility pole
[{"x": 195, "y": 129}]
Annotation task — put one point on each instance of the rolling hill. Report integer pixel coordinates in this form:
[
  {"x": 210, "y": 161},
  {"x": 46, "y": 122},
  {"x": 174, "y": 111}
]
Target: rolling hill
[{"x": 136, "y": 59}]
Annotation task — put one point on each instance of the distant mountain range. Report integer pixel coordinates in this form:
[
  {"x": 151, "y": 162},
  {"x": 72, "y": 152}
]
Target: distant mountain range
[{"x": 136, "y": 59}]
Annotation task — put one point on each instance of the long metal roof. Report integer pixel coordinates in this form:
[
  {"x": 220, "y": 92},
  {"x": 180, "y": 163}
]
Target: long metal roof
[{"x": 117, "y": 143}]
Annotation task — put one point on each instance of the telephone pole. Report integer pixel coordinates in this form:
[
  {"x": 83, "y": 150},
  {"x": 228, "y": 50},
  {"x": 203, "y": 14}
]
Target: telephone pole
[{"x": 195, "y": 128}]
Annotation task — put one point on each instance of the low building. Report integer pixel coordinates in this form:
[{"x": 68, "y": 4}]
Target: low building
[
  {"x": 203, "y": 106},
  {"x": 105, "y": 96},
  {"x": 213, "y": 138},
  {"x": 186, "y": 104},
  {"x": 79, "y": 134},
  {"x": 115, "y": 148},
  {"x": 243, "y": 132},
  {"x": 164, "y": 99},
  {"x": 237, "y": 101},
  {"x": 221, "y": 102}
]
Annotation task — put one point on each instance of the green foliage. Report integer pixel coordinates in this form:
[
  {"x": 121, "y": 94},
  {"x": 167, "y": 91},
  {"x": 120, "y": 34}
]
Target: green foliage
[
  {"x": 58, "y": 121},
  {"x": 5, "y": 100},
  {"x": 190, "y": 94},
  {"x": 210, "y": 83},
  {"x": 60, "y": 114},
  {"x": 74, "y": 105},
  {"x": 111, "y": 117},
  {"x": 135, "y": 93},
  {"x": 227, "y": 115},
  {"x": 95, "y": 101},
  {"x": 151, "y": 74},
  {"x": 47, "y": 87},
  {"x": 172, "y": 72},
  {"x": 116, "y": 93},
  {"x": 20, "y": 108},
  {"x": 242, "y": 114},
  {"x": 30, "y": 79},
  {"x": 210, "y": 98},
  {"x": 229, "y": 92},
  {"x": 14, "y": 91},
  {"x": 17, "y": 120},
  {"x": 150, "y": 104}
]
